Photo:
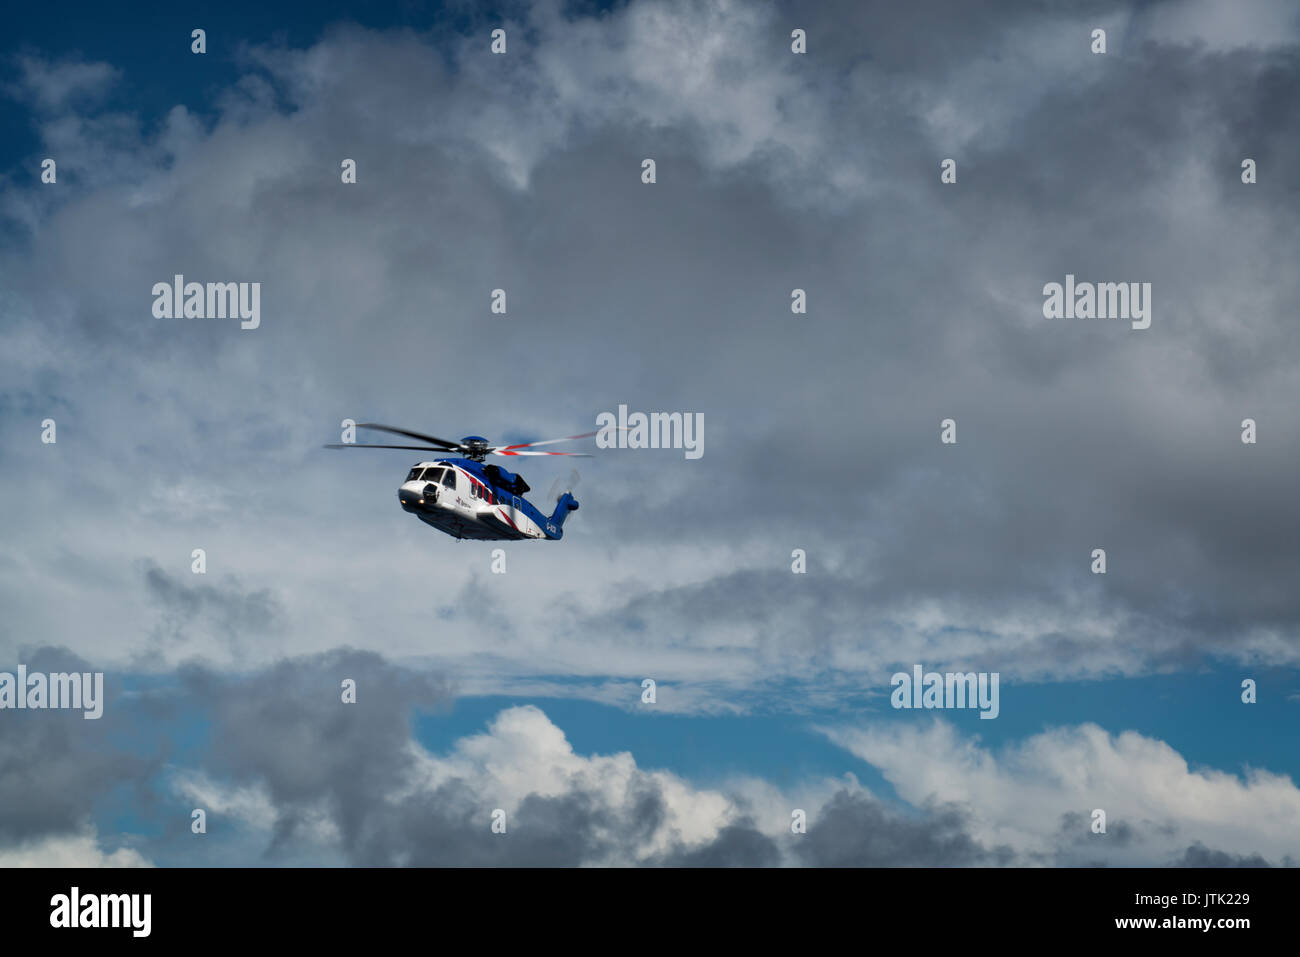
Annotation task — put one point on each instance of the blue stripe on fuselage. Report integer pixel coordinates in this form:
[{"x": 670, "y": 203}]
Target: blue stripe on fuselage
[{"x": 501, "y": 495}]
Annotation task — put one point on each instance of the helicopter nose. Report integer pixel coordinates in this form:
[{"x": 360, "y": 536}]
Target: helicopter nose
[{"x": 411, "y": 495}]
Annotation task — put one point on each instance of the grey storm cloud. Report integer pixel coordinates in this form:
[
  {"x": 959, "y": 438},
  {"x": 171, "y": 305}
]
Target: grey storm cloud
[
  {"x": 1198, "y": 855},
  {"x": 55, "y": 764},
  {"x": 856, "y": 830},
  {"x": 233, "y": 611},
  {"x": 736, "y": 845},
  {"x": 286, "y": 727},
  {"x": 448, "y": 827}
]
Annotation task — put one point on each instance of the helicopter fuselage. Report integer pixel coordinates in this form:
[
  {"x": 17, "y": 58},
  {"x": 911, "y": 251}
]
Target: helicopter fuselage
[{"x": 466, "y": 499}]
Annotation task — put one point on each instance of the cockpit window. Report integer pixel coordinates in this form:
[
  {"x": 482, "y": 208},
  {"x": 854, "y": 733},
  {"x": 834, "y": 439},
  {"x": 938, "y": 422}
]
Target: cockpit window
[
  {"x": 413, "y": 475},
  {"x": 449, "y": 478}
]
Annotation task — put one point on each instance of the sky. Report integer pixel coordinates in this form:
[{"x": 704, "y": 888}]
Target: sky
[{"x": 522, "y": 692}]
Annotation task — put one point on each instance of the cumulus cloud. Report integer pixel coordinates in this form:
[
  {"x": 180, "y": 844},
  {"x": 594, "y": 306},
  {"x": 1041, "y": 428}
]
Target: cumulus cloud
[
  {"x": 1036, "y": 797},
  {"x": 561, "y": 808},
  {"x": 69, "y": 850}
]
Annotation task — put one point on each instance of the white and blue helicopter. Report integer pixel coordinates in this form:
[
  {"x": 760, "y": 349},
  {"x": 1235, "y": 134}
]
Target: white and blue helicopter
[{"x": 467, "y": 499}]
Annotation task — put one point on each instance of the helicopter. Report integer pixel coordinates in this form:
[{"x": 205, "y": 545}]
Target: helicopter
[{"x": 469, "y": 500}]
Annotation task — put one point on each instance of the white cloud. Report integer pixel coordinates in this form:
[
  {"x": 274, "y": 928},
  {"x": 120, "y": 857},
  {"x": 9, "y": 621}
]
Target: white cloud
[
  {"x": 524, "y": 753},
  {"x": 69, "y": 850},
  {"x": 250, "y": 805},
  {"x": 1020, "y": 795},
  {"x": 54, "y": 86}
]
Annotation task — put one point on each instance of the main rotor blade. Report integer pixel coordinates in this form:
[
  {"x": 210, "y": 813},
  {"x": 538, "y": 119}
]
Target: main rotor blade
[
  {"x": 581, "y": 455},
  {"x": 529, "y": 445},
  {"x": 362, "y": 445},
  {"x": 434, "y": 440}
]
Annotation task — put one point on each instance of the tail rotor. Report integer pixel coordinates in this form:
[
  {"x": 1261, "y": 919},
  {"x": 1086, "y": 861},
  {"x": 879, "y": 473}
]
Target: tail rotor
[{"x": 560, "y": 486}]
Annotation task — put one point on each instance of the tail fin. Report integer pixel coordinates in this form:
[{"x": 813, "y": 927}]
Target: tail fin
[{"x": 566, "y": 504}]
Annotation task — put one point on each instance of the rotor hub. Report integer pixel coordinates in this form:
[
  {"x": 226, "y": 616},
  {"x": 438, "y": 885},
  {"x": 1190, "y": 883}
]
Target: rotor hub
[{"x": 476, "y": 447}]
